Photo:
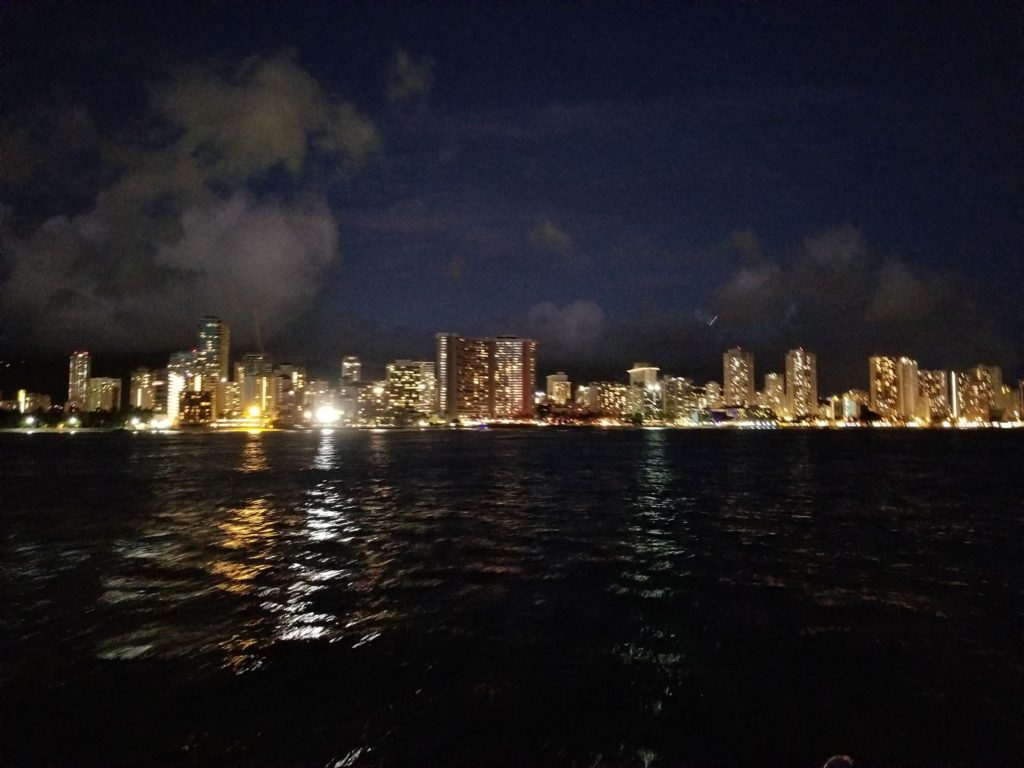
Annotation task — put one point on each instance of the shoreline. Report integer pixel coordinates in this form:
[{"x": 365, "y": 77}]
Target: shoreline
[{"x": 999, "y": 427}]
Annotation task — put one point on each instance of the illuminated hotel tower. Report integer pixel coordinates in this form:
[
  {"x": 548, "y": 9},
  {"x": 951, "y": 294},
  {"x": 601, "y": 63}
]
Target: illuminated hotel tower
[
  {"x": 411, "y": 388},
  {"x": 909, "y": 385},
  {"x": 485, "y": 378},
  {"x": 212, "y": 354},
  {"x": 801, "y": 383},
  {"x": 180, "y": 378},
  {"x": 894, "y": 387},
  {"x": 428, "y": 399},
  {"x": 211, "y": 365},
  {"x": 934, "y": 390},
  {"x": 559, "y": 388},
  {"x": 142, "y": 390},
  {"x": 351, "y": 370},
  {"x": 975, "y": 392},
  {"x": 515, "y": 372},
  {"x": 79, "y": 371},
  {"x": 465, "y": 376},
  {"x": 644, "y": 396},
  {"x": 257, "y": 389},
  {"x": 774, "y": 394},
  {"x": 738, "y": 377},
  {"x": 884, "y": 386},
  {"x": 104, "y": 394}
]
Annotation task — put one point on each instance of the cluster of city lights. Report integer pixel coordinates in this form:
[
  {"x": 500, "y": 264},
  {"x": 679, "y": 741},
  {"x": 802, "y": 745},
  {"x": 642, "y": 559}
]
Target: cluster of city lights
[{"x": 476, "y": 382}]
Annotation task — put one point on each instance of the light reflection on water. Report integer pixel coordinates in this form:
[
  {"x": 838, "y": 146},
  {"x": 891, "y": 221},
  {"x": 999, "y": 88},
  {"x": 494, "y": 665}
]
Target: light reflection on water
[
  {"x": 636, "y": 589},
  {"x": 254, "y": 457},
  {"x": 248, "y": 535},
  {"x": 325, "y": 451}
]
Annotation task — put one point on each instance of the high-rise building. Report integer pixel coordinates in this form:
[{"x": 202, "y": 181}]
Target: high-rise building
[
  {"x": 679, "y": 397},
  {"x": 212, "y": 354},
  {"x": 607, "y": 398},
  {"x": 884, "y": 386},
  {"x": 975, "y": 392},
  {"x": 142, "y": 395},
  {"x": 289, "y": 381},
  {"x": 409, "y": 390},
  {"x": 584, "y": 397},
  {"x": 894, "y": 388},
  {"x": 934, "y": 391},
  {"x": 351, "y": 370},
  {"x": 773, "y": 396},
  {"x": 428, "y": 397},
  {"x": 232, "y": 400},
  {"x": 909, "y": 387},
  {"x": 180, "y": 378},
  {"x": 559, "y": 388},
  {"x": 372, "y": 403},
  {"x": 79, "y": 370},
  {"x": 643, "y": 375},
  {"x": 485, "y": 378},
  {"x": 317, "y": 394},
  {"x": 465, "y": 376},
  {"x": 160, "y": 391},
  {"x": 195, "y": 408},
  {"x": 712, "y": 395},
  {"x": 184, "y": 365},
  {"x": 211, "y": 361},
  {"x": 644, "y": 400},
  {"x": 738, "y": 377},
  {"x": 801, "y": 384},
  {"x": 103, "y": 394},
  {"x": 515, "y": 374},
  {"x": 1007, "y": 405},
  {"x": 258, "y": 388}
]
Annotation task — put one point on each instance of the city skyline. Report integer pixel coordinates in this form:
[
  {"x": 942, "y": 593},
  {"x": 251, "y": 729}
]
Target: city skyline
[
  {"x": 50, "y": 376},
  {"x": 496, "y": 379}
]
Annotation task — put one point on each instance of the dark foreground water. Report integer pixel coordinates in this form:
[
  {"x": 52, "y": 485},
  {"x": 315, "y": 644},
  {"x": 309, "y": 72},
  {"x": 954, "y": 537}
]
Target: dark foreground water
[{"x": 512, "y": 598}]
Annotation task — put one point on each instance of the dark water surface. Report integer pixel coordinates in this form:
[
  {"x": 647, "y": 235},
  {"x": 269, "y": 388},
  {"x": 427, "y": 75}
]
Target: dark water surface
[{"x": 512, "y": 598}]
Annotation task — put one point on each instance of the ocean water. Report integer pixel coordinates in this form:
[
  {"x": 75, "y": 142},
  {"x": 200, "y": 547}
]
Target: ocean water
[{"x": 541, "y": 597}]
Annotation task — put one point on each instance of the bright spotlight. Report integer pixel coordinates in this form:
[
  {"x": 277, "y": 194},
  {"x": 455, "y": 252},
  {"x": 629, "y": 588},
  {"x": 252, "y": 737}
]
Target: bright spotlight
[{"x": 326, "y": 414}]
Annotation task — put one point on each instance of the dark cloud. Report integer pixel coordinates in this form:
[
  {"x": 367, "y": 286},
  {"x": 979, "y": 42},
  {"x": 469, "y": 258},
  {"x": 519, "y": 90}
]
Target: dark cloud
[
  {"x": 69, "y": 285},
  {"x": 549, "y": 236},
  {"x": 746, "y": 243},
  {"x": 831, "y": 293},
  {"x": 409, "y": 79},
  {"x": 258, "y": 114},
  {"x": 179, "y": 230},
  {"x": 836, "y": 296}
]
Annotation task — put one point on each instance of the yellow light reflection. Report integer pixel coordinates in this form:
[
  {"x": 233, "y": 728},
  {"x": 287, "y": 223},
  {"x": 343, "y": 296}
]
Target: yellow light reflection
[
  {"x": 237, "y": 577},
  {"x": 249, "y": 532},
  {"x": 254, "y": 456}
]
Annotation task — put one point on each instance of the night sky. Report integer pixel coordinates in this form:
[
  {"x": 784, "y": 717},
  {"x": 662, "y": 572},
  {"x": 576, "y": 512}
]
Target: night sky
[{"x": 606, "y": 178}]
